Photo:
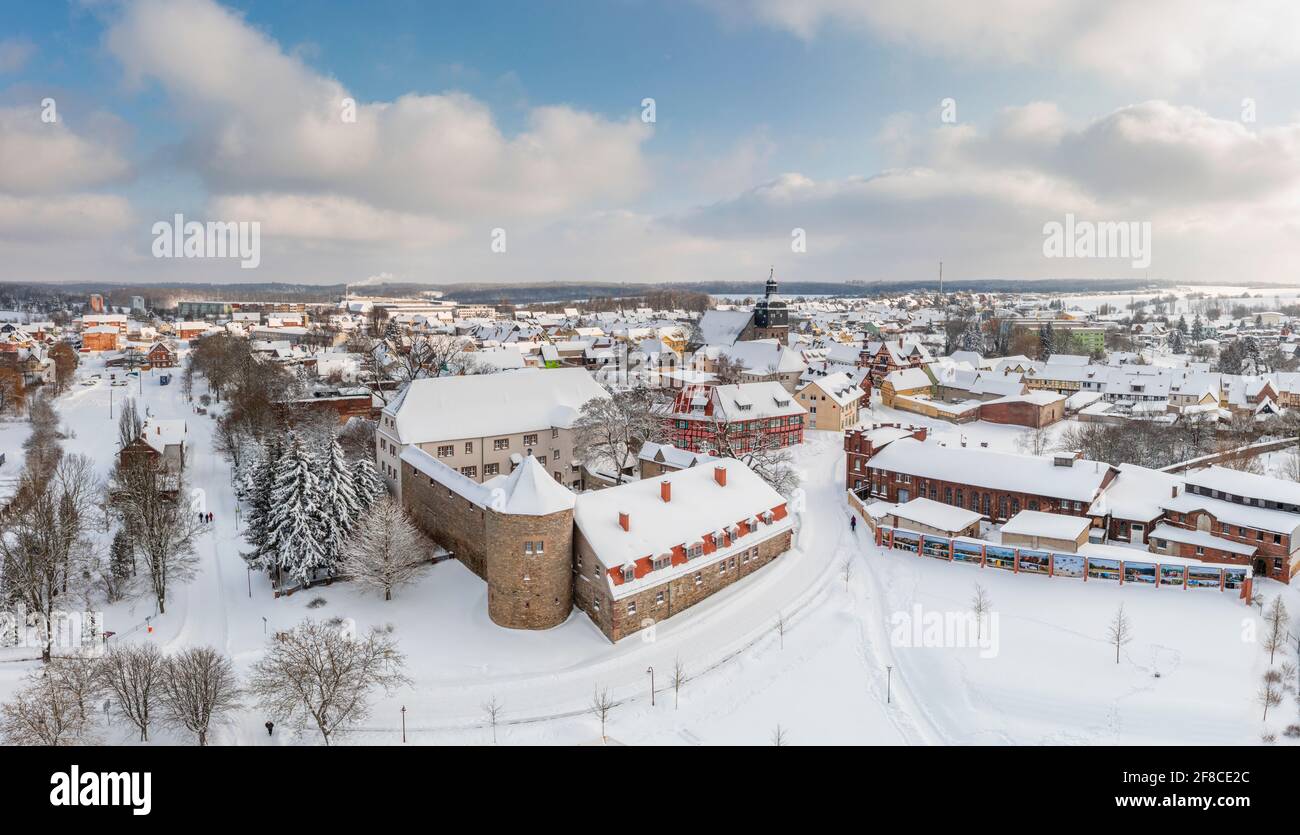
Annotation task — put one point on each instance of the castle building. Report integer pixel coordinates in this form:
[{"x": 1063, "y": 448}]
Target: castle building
[
  {"x": 771, "y": 317},
  {"x": 627, "y": 556}
]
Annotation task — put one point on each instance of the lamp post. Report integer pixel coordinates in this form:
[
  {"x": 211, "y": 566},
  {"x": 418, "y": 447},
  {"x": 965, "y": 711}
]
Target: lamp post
[
  {"x": 403, "y": 723},
  {"x": 651, "y": 671},
  {"x": 249, "y": 569},
  {"x": 889, "y": 684}
]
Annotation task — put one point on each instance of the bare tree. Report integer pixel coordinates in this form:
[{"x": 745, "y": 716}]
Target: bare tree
[
  {"x": 846, "y": 571},
  {"x": 161, "y": 526},
  {"x": 1275, "y": 627},
  {"x": 781, "y": 627},
  {"x": 614, "y": 428},
  {"x": 761, "y": 453},
  {"x": 42, "y": 713},
  {"x": 135, "y": 674},
  {"x": 601, "y": 705},
  {"x": 78, "y": 678},
  {"x": 678, "y": 679},
  {"x": 198, "y": 688},
  {"x": 129, "y": 424},
  {"x": 492, "y": 708},
  {"x": 1119, "y": 633},
  {"x": 384, "y": 550},
  {"x": 779, "y": 736},
  {"x": 1268, "y": 696},
  {"x": 980, "y": 605},
  {"x": 316, "y": 671}
]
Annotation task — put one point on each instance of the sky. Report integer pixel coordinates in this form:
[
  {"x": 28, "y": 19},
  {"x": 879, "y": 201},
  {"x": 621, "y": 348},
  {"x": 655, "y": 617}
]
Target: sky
[{"x": 830, "y": 140}]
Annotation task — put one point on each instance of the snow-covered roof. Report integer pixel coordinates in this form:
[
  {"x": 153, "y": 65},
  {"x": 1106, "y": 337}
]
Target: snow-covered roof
[
  {"x": 1239, "y": 483},
  {"x": 671, "y": 455},
  {"x": 482, "y": 405},
  {"x": 723, "y": 327},
  {"x": 528, "y": 491},
  {"x": 1201, "y": 539},
  {"x": 839, "y": 387},
  {"x": 995, "y": 470},
  {"x": 1259, "y": 518},
  {"x": 161, "y": 434},
  {"x": 751, "y": 401},
  {"x": 698, "y": 506},
  {"x": 936, "y": 515},
  {"x": 1135, "y": 494},
  {"x": 1048, "y": 525},
  {"x": 908, "y": 378}
]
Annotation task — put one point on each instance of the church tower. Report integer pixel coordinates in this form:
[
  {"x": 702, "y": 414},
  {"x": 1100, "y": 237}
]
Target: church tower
[{"x": 771, "y": 317}]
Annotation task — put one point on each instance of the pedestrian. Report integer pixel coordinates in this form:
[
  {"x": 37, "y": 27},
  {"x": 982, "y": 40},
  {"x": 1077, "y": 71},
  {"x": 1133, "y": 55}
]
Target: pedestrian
[
  {"x": 210, "y": 517},
  {"x": 200, "y": 516},
  {"x": 853, "y": 524},
  {"x": 270, "y": 726}
]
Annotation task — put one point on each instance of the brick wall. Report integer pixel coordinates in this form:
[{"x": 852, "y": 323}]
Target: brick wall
[{"x": 529, "y": 591}]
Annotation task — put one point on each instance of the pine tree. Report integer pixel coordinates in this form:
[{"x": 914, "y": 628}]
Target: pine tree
[
  {"x": 295, "y": 514},
  {"x": 367, "y": 483},
  {"x": 121, "y": 558},
  {"x": 257, "y": 534},
  {"x": 1046, "y": 337},
  {"x": 339, "y": 507}
]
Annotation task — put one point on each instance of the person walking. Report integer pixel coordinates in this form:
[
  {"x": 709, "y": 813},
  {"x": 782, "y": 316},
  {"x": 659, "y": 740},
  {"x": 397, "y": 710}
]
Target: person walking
[
  {"x": 270, "y": 726},
  {"x": 853, "y": 524}
]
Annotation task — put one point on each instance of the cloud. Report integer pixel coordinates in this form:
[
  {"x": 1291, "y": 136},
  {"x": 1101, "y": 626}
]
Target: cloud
[
  {"x": 260, "y": 120},
  {"x": 1155, "y": 44},
  {"x": 53, "y": 158}
]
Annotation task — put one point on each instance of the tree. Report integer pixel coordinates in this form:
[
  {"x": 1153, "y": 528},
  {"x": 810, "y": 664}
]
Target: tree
[
  {"x": 846, "y": 571},
  {"x": 384, "y": 550},
  {"x": 65, "y": 361},
  {"x": 492, "y": 708},
  {"x": 121, "y": 566},
  {"x": 135, "y": 674},
  {"x": 78, "y": 678},
  {"x": 259, "y": 491},
  {"x": 129, "y": 424},
  {"x": 42, "y": 713},
  {"x": 162, "y": 528},
  {"x": 338, "y": 504},
  {"x": 294, "y": 517},
  {"x": 1268, "y": 696},
  {"x": 601, "y": 706},
  {"x": 614, "y": 428},
  {"x": 1046, "y": 342},
  {"x": 42, "y": 537},
  {"x": 761, "y": 453},
  {"x": 366, "y": 481},
  {"x": 781, "y": 626},
  {"x": 980, "y": 604},
  {"x": 779, "y": 736},
  {"x": 198, "y": 688},
  {"x": 1275, "y": 627},
  {"x": 1119, "y": 633},
  {"x": 13, "y": 393},
  {"x": 678, "y": 679},
  {"x": 319, "y": 673}
]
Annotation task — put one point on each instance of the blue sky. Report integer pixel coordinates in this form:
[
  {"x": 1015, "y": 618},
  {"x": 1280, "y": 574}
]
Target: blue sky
[{"x": 822, "y": 115}]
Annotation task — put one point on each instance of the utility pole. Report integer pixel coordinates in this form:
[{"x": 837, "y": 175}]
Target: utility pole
[
  {"x": 651, "y": 671},
  {"x": 889, "y": 684},
  {"x": 403, "y": 723}
]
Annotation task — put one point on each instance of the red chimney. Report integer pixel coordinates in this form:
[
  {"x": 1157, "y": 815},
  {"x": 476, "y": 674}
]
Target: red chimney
[
  {"x": 920, "y": 432},
  {"x": 720, "y": 476},
  {"x": 624, "y": 521},
  {"x": 665, "y": 491}
]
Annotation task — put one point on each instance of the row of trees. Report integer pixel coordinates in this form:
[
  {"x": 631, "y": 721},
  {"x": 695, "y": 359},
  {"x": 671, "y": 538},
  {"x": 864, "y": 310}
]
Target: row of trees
[{"x": 315, "y": 674}]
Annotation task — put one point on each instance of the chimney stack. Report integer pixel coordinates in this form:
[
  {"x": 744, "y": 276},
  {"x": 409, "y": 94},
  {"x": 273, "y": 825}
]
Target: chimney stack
[
  {"x": 624, "y": 521},
  {"x": 720, "y": 476},
  {"x": 666, "y": 490},
  {"x": 1173, "y": 491}
]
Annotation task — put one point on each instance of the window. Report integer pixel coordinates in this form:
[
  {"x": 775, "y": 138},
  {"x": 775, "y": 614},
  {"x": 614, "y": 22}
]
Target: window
[
  {"x": 469, "y": 472},
  {"x": 659, "y": 598},
  {"x": 1200, "y": 552},
  {"x": 660, "y": 563},
  {"x": 595, "y": 604},
  {"x": 699, "y": 578},
  {"x": 541, "y": 459},
  {"x": 629, "y": 574},
  {"x": 722, "y": 567},
  {"x": 631, "y": 607},
  {"x": 695, "y": 551},
  {"x": 446, "y": 451},
  {"x": 555, "y": 433},
  {"x": 530, "y": 440},
  {"x": 538, "y": 547},
  {"x": 469, "y": 447},
  {"x": 501, "y": 443},
  {"x": 491, "y": 469}
]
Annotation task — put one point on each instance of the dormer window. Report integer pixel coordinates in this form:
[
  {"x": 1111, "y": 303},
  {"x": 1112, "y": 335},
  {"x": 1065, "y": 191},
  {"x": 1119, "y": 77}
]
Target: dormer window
[{"x": 629, "y": 573}]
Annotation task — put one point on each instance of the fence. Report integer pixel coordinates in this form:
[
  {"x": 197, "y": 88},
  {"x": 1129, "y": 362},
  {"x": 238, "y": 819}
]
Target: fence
[{"x": 1076, "y": 566}]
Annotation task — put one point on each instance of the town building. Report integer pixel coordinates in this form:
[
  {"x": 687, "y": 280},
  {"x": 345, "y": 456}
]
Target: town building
[
  {"x": 833, "y": 402},
  {"x": 484, "y": 425},
  {"x": 747, "y": 416}
]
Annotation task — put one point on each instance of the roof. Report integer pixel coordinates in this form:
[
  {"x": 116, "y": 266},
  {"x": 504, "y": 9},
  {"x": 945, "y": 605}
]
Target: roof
[
  {"x": 1049, "y": 525},
  {"x": 1238, "y": 483},
  {"x": 1135, "y": 494},
  {"x": 908, "y": 378},
  {"x": 749, "y": 401},
  {"x": 528, "y": 491},
  {"x": 482, "y": 405},
  {"x": 161, "y": 434},
  {"x": 671, "y": 455},
  {"x": 1260, "y": 518},
  {"x": 839, "y": 387},
  {"x": 723, "y": 327},
  {"x": 1200, "y": 539},
  {"x": 699, "y": 506},
  {"x": 995, "y": 470},
  {"x": 936, "y": 515}
]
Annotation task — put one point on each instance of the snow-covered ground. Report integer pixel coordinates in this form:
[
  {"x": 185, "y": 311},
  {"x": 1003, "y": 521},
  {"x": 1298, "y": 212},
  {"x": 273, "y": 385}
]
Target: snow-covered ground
[{"x": 834, "y": 676}]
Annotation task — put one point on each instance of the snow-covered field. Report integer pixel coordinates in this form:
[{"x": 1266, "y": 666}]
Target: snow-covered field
[{"x": 833, "y": 677}]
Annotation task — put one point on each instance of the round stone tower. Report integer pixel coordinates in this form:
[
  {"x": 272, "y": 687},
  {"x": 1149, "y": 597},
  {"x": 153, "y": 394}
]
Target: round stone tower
[{"x": 528, "y": 554}]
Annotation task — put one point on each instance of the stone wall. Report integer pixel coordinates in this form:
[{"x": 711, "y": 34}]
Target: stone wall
[{"x": 529, "y": 590}]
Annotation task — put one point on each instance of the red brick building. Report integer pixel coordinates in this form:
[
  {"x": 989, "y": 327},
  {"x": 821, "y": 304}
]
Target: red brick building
[{"x": 891, "y": 355}]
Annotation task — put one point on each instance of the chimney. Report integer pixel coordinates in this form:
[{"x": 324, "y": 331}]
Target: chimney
[
  {"x": 666, "y": 490},
  {"x": 720, "y": 476},
  {"x": 920, "y": 433},
  {"x": 1173, "y": 491},
  {"x": 624, "y": 521}
]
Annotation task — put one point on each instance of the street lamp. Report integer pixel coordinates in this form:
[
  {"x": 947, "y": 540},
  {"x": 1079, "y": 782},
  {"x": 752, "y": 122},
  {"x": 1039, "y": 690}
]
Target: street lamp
[
  {"x": 889, "y": 684},
  {"x": 403, "y": 723},
  {"x": 651, "y": 671}
]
